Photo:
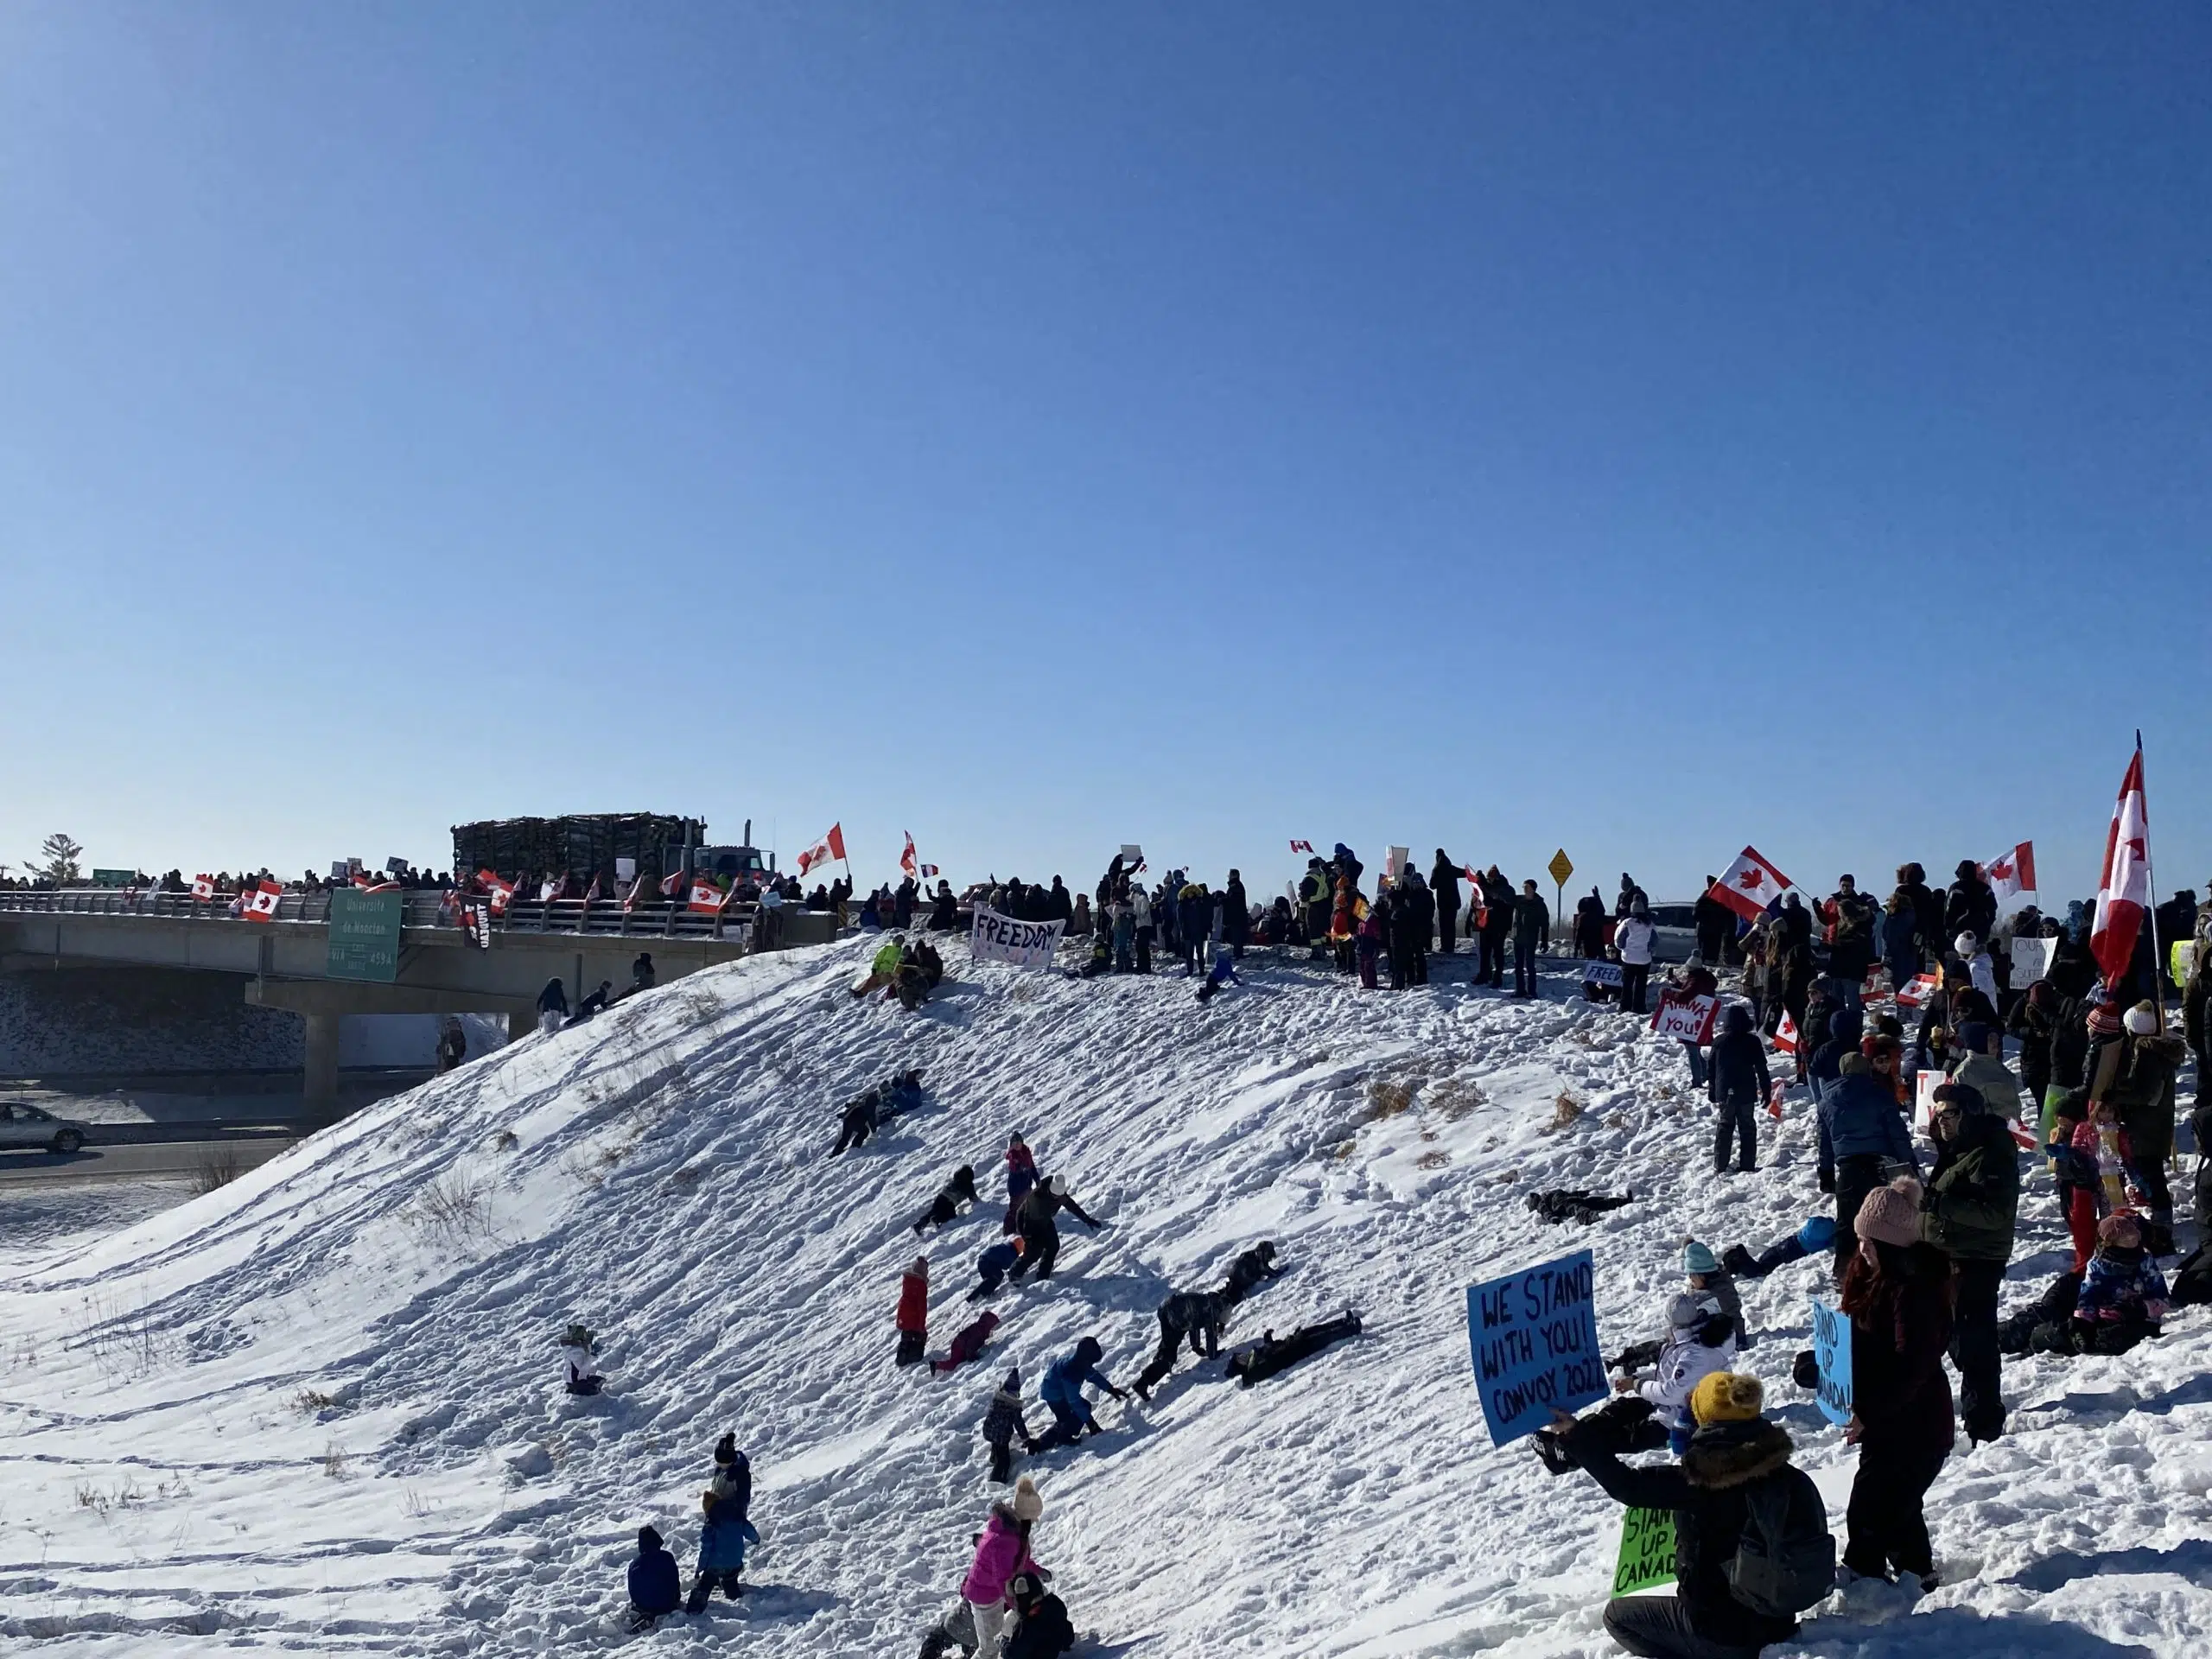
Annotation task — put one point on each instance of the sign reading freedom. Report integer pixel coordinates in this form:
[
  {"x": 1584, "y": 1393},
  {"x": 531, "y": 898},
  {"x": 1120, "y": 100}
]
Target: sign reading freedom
[
  {"x": 1534, "y": 1337},
  {"x": 994, "y": 937},
  {"x": 364, "y": 936}
]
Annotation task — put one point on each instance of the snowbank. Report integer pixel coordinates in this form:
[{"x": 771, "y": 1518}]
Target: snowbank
[{"x": 318, "y": 1408}]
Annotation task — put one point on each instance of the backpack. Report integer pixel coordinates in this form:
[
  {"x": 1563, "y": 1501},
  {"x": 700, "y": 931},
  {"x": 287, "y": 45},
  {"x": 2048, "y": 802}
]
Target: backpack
[{"x": 1785, "y": 1560}]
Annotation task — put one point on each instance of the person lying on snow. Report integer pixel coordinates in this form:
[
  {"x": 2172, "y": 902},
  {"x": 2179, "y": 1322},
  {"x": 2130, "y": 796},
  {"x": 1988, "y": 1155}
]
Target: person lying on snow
[
  {"x": 1249, "y": 1270},
  {"x": 728, "y": 1531},
  {"x": 1271, "y": 1354},
  {"x": 1197, "y": 1314},
  {"x": 1064, "y": 1381},
  {"x": 654, "y": 1589},
  {"x": 858, "y": 1121},
  {"x": 1753, "y": 1549},
  {"x": 1700, "y": 1342},
  {"x": 1815, "y": 1237},
  {"x": 1003, "y": 1424},
  {"x": 1222, "y": 973},
  {"x": 955, "y": 1193},
  {"x": 966, "y": 1345},
  {"x": 914, "y": 1319}
]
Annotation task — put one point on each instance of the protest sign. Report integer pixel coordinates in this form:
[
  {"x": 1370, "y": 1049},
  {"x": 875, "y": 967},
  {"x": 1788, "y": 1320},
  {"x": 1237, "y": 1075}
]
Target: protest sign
[
  {"x": 1647, "y": 1551},
  {"x": 1534, "y": 1336},
  {"x": 995, "y": 937},
  {"x": 2031, "y": 961},
  {"x": 1689, "y": 1018},
  {"x": 1602, "y": 973},
  {"x": 1394, "y": 864},
  {"x": 1832, "y": 1353},
  {"x": 1924, "y": 1085}
]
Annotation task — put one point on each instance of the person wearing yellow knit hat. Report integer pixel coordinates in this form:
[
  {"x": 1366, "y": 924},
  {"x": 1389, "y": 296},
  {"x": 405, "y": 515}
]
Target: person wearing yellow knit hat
[{"x": 1752, "y": 1546}]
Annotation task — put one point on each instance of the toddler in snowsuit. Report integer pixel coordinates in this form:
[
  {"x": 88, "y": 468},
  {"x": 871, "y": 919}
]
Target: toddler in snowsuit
[
  {"x": 1705, "y": 1273},
  {"x": 913, "y": 1311},
  {"x": 1196, "y": 1313},
  {"x": 578, "y": 1346},
  {"x": 1003, "y": 1424},
  {"x": 1223, "y": 973},
  {"x": 960, "y": 1189},
  {"x": 1701, "y": 1340},
  {"x": 1021, "y": 1177},
  {"x": 994, "y": 1265},
  {"x": 728, "y": 1531},
  {"x": 967, "y": 1345},
  {"x": 1247, "y": 1271},
  {"x": 1062, "y": 1392},
  {"x": 2124, "y": 1296},
  {"x": 655, "y": 1588}
]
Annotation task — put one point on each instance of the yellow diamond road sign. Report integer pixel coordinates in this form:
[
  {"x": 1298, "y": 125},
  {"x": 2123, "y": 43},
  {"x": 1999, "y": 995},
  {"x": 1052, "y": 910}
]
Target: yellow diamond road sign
[{"x": 1561, "y": 868}]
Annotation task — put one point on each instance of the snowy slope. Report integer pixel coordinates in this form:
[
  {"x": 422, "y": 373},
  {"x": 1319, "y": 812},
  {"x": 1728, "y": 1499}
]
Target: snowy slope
[{"x": 318, "y": 1409}]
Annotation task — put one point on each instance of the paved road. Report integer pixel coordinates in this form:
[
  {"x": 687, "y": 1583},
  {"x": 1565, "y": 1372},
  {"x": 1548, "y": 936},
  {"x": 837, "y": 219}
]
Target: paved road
[{"x": 151, "y": 1161}]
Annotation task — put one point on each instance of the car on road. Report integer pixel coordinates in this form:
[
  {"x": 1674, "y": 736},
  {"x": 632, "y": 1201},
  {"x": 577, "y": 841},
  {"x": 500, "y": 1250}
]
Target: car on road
[
  {"x": 23, "y": 1125},
  {"x": 1674, "y": 931}
]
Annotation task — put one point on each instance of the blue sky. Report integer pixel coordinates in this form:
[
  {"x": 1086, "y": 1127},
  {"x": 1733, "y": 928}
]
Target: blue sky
[{"x": 1039, "y": 426}]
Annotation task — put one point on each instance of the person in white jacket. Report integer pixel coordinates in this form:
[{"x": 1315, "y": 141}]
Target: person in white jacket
[
  {"x": 1701, "y": 1340},
  {"x": 1633, "y": 937},
  {"x": 1141, "y": 907},
  {"x": 1978, "y": 964}
]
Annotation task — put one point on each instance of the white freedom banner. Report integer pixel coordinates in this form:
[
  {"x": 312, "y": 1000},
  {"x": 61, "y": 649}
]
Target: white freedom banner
[{"x": 995, "y": 937}]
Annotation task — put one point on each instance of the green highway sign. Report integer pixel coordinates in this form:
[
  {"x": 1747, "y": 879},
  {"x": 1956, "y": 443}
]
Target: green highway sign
[{"x": 364, "y": 935}]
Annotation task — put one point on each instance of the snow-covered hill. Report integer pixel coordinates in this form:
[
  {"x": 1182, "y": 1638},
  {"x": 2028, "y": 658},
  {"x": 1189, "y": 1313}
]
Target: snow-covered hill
[{"x": 318, "y": 1409}]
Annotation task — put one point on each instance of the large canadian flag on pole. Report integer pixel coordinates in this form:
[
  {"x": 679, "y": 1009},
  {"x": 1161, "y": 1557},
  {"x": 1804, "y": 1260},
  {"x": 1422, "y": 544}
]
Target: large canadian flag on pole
[
  {"x": 2010, "y": 875},
  {"x": 2123, "y": 894},
  {"x": 908, "y": 863},
  {"x": 1750, "y": 884},
  {"x": 830, "y": 846}
]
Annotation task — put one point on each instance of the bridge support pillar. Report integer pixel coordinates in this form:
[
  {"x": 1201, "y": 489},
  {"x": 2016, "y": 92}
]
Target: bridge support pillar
[{"x": 322, "y": 1056}]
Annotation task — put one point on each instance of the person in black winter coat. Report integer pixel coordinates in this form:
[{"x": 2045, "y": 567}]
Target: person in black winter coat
[
  {"x": 1708, "y": 1493},
  {"x": 1532, "y": 932},
  {"x": 1248, "y": 1270},
  {"x": 956, "y": 1192},
  {"x": 1197, "y": 1314},
  {"x": 1443, "y": 887},
  {"x": 1003, "y": 1424},
  {"x": 1927, "y": 906},
  {"x": 656, "y": 1587},
  {"x": 1042, "y": 1630},
  {"x": 1413, "y": 921},
  {"x": 1970, "y": 905},
  {"x": 1236, "y": 915},
  {"x": 858, "y": 1122},
  {"x": 1040, "y": 1232},
  {"x": 1737, "y": 1083},
  {"x": 1497, "y": 922},
  {"x": 1715, "y": 923},
  {"x": 1590, "y": 926}
]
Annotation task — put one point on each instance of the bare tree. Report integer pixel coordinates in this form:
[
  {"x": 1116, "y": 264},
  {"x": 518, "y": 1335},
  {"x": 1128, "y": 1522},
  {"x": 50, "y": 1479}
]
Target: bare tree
[{"x": 60, "y": 854}]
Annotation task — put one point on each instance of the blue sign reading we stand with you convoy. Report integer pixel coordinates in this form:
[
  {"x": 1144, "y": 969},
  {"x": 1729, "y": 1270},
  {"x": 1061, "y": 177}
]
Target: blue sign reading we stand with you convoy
[{"x": 1535, "y": 1336}]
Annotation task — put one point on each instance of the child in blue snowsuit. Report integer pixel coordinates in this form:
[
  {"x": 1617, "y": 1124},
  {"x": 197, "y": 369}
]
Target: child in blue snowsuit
[
  {"x": 994, "y": 1265},
  {"x": 1815, "y": 1237},
  {"x": 1225, "y": 973},
  {"x": 1063, "y": 1392},
  {"x": 723, "y": 1538}
]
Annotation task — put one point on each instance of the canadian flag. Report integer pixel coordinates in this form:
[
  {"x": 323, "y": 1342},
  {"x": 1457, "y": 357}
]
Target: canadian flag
[
  {"x": 2013, "y": 873},
  {"x": 203, "y": 889},
  {"x": 907, "y": 861},
  {"x": 549, "y": 888},
  {"x": 669, "y": 883},
  {"x": 705, "y": 897},
  {"x": 591, "y": 892},
  {"x": 1916, "y": 991},
  {"x": 368, "y": 885},
  {"x": 830, "y": 846},
  {"x": 1301, "y": 846},
  {"x": 261, "y": 903},
  {"x": 637, "y": 890},
  {"x": 1774, "y": 1097},
  {"x": 2123, "y": 892},
  {"x": 1785, "y": 1035},
  {"x": 500, "y": 888},
  {"x": 1750, "y": 884}
]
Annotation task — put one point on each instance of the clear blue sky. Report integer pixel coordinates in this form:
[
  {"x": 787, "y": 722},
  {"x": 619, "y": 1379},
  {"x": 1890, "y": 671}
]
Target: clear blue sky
[{"x": 1043, "y": 426}]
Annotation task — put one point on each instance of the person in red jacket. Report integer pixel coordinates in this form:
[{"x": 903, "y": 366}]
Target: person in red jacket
[{"x": 914, "y": 1312}]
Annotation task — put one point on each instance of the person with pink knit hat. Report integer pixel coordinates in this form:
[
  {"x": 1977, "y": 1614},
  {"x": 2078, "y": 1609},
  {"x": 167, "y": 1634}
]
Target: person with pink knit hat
[{"x": 1896, "y": 1292}]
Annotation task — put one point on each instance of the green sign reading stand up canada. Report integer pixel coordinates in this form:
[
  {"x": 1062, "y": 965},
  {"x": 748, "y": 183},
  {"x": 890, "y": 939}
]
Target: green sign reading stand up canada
[{"x": 364, "y": 935}]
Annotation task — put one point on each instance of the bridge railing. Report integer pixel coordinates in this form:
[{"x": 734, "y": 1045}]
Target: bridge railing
[{"x": 419, "y": 908}]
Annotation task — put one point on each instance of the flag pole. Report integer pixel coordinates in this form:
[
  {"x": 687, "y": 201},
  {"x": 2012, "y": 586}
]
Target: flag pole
[{"x": 2151, "y": 882}]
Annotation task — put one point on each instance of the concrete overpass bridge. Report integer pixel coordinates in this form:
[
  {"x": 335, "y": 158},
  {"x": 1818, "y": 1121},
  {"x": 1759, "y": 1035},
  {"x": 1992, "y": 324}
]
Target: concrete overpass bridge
[{"x": 287, "y": 962}]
